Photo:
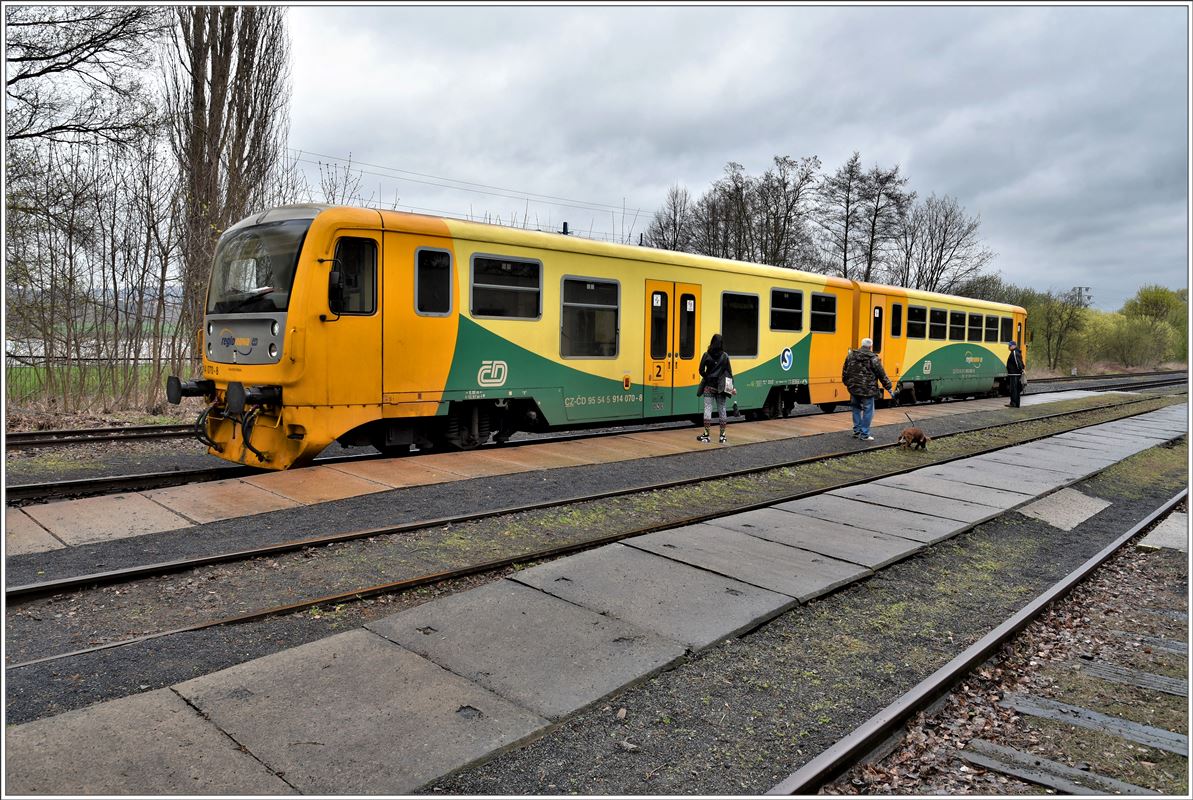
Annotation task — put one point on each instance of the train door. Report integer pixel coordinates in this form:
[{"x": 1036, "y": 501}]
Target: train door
[
  {"x": 351, "y": 332},
  {"x": 671, "y": 357}
]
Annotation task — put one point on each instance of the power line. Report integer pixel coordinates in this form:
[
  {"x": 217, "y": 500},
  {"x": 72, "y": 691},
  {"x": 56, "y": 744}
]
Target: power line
[{"x": 498, "y": 191}]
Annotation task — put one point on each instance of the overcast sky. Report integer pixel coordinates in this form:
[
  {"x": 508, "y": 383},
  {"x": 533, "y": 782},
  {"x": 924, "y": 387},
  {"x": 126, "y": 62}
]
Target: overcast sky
[{"x": 1065, "y": 128}]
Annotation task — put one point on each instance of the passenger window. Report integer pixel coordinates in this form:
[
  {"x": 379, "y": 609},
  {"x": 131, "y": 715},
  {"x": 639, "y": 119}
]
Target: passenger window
[
  {"x": 991, "y": 328},
  {"x": 975, "y": 328},
  {"x": 824, "y": 313},
  {"x": 937, "y": 323},
  {"x": 1006, "y": 329},
  {"x": 687, "y": 326},
  {"x": 917, "y": 322},
  {"x": 356, "y": 262},
  {"x": 956, "y": 326},
  {"x": 786, "y": 310},
  {"x": 658, "y": 325},
  {"x": 897, "y": 319},
  {"x": 433, "y": 282},
  {"x": 506, "y": 287},
  {"x": 739, "y": 323},
  {"x": 589, "y": 319}
]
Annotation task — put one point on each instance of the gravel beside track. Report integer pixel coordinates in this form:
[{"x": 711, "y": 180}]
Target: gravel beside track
[{"x": 1138, "y": 591}]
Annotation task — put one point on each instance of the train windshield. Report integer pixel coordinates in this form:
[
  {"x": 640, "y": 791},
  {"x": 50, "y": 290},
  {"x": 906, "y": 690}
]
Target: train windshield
[{"x": 254, "y": 268}]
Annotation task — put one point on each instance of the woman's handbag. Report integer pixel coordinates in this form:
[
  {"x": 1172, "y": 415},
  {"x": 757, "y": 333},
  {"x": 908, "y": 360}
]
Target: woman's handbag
[{"x": 729, "y": 390}]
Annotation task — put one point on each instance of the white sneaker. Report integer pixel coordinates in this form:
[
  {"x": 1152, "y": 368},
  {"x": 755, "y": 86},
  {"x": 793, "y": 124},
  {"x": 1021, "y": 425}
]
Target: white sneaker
[{"x": 866, "y": 438}]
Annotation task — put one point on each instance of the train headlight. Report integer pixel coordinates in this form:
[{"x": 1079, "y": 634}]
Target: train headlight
[
  {"x": 273, "y": 329},
  {"x": 209, "y": 329},
  {"x": 273, "y": 349}
]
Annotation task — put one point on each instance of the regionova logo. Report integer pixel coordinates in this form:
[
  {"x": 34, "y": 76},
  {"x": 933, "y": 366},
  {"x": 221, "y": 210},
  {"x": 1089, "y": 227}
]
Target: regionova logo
[
  {"x": 786, "y": 359},
  {"x": 492, "y": 373},
  {"x": 233, "y": 342},
  {"x": 972, "y": 360}
]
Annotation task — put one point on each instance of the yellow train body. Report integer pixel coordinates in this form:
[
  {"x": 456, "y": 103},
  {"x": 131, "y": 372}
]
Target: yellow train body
[{"x": 382, "y": 327}]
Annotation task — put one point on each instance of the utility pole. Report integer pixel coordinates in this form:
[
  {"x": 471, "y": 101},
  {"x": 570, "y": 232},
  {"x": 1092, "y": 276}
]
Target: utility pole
[{"x": 1084, "y": 298}]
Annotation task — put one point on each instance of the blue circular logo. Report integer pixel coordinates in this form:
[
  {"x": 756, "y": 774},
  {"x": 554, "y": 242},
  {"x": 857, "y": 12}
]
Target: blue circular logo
[{"x": 786, "y": 359}]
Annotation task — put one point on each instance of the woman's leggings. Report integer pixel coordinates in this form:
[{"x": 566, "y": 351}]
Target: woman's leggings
[{"x": 708, "y": 401}]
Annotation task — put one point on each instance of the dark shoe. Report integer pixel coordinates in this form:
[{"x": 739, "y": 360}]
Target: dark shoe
[
  {"x": 723, "y": 439},
  {"x": 703, "y": 438}
]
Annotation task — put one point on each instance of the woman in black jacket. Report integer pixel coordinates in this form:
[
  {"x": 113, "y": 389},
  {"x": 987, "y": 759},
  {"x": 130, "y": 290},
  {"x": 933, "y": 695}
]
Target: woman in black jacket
[{"x": 714, "y": 369}]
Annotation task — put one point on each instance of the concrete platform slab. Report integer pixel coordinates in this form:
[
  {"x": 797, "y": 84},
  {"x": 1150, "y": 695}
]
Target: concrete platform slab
[
  {"x": 1067, "y": 450},
  {"x": 909, "y": 500},
  {"x": 356, "y": 714},
  {"x": 1025, "y": 480},
  {"x": 539, "y": 456},
  {"x": 1172, "y": 533},
  {"x": 22, "y": 535},
  {"x": 1091, "y": 442},
  {"x": 653, "y": 445},
  {"x": 892, "y": 522},
  {"x": 397, "y": 473},
  {"x": 99, "y": 519},
  {"x": 794, "y": 572},
  {"x": 1037, "y": 461},
  {"x": 683, "y": 603},
  {"x": 1065, "y": 509},
  {"x": 147, "y": 744},
  {"x": 842, "y": 542},
  {"x": 470, "y": 464},
  {"x": 315, "y": 484},
  {"x": 1142, "y": 432},
  {"x": 942, "y": 487},
  {"x": 543, "y": 653},
  {"x": 208, "y": 502}
]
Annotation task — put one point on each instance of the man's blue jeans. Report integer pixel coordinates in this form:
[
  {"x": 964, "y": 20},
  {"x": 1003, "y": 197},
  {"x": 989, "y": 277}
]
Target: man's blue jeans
[{"x": 863, "y": 414}]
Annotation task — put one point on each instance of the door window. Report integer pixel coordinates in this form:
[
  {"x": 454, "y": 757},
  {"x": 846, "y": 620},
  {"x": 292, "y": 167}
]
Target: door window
[{"x": 658, "y": 325}]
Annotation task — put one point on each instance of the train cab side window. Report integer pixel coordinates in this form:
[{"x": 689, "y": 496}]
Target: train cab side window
[
  {"x": 506, "y": 287},
  {"x": 824, "y": 313},
  {"x": 786, "y": 310},
  {"x": 739, "y": 323},
  {"x": 896, "y": 319},
  {"x": 938, "y": 323},
  {"x": 991, "y": 328},
  {"x": 588, "y": 323},
  {"x": 1006, "y": 329},
  {"x": 356, "y": 263},
  {"x": 956, "y": 326},
  {"x": 975, "y": 328},
  {"x": 433, "y": 282},
  {"x": 917, "y": 322}
]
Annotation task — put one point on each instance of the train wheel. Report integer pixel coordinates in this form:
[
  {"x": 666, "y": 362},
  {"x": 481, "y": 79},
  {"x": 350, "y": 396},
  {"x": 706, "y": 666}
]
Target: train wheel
[{"x": 828, "y": 408}]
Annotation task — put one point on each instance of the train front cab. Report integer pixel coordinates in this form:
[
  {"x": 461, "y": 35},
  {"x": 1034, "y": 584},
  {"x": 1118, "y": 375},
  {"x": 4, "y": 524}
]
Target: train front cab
[{"x": 934, "y": 346}]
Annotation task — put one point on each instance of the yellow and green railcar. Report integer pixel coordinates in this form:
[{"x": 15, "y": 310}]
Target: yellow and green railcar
[
  {"x": 935, "y": 345},
  {"x": 362, "y": 326}
]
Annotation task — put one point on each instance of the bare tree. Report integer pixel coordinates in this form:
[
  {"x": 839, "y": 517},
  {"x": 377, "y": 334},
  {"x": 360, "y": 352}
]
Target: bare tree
[
  {"x": 670, "y": 229},
  {"x": 1056, "y": 318},
  {"x": 226, "y": 97},
  {"x": 781, "y": 209},
  {"x": 74, "y": 72},
  {"x": 883, "y": 202},
  {"x": 941, "y": 248},
  {"x": 839, "y": 215}
]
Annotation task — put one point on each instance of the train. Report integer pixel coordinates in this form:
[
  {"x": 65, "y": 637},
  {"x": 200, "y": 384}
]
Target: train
[{"x": 376, "y": 327}]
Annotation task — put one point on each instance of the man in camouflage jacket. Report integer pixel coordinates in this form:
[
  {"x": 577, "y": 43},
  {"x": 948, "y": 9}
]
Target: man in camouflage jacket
[{"x": 861, "y": 374}]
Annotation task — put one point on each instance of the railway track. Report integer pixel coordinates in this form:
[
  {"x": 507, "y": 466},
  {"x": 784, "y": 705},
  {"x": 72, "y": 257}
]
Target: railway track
[
  {"x": 881, "y": 729},
  {"x": 19, "y": 494},
  {"x": 16, "y": 440},
  {"x": 15, "y": 595}
]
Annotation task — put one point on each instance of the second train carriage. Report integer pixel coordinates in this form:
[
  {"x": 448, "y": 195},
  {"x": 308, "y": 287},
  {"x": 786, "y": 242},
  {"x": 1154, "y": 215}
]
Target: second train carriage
[{"x": 361, "y": 326}]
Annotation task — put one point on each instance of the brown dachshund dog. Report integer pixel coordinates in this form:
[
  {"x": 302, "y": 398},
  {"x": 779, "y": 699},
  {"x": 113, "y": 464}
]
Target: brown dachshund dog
[{"x": 913, "y": 438}]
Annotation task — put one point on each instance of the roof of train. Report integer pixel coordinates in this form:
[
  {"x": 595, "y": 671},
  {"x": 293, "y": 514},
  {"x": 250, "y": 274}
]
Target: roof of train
[{"x": 501, "y": 234}]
